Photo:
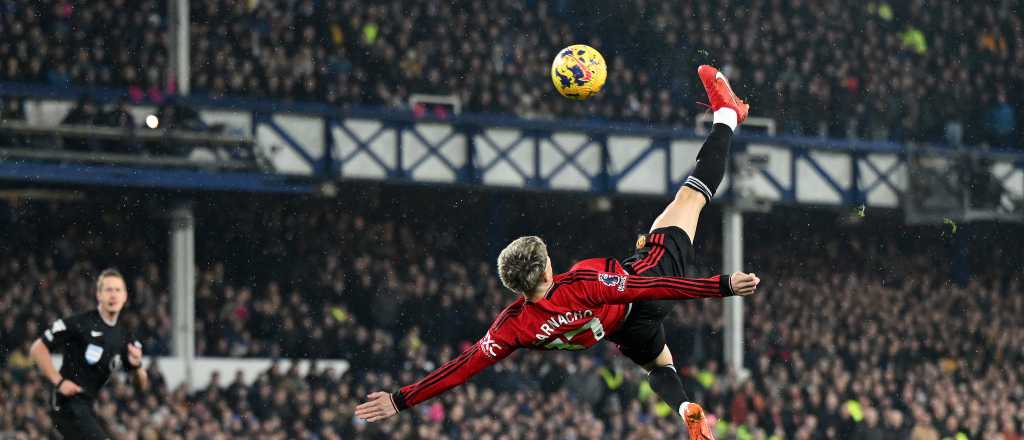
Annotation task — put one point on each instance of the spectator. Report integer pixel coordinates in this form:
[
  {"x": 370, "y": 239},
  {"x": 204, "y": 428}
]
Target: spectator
[
  {"x": 1002, "y": 121},
  {"x": 791, "y": 57},
  {"x": 118, "y": 116},
  {"x": 85, "y": 112},
  {"x": 824, "y": 358},
  {"x": 11, "y": 109},
  {"x": 923, "y": 429}
]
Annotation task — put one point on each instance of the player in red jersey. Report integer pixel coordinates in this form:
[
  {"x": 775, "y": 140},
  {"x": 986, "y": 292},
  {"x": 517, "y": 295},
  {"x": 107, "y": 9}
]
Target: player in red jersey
[{"x": 602, "y": 298}]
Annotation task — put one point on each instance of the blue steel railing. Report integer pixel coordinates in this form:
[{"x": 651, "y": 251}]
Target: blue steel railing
[{"x": 581, "y": 155}]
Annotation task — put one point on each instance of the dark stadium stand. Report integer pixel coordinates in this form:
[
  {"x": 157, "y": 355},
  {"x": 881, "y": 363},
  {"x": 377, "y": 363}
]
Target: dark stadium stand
[
  {"x": 864, "y": 338},
  {"x": 948, "y": 74}
]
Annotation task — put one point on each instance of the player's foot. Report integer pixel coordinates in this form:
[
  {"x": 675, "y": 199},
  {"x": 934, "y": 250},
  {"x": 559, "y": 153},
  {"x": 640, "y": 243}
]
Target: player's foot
[
  {"x": 696, "y": 423},
  {"x": 720, "y": 92}
]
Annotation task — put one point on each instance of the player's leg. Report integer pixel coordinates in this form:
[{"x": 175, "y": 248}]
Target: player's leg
[
  {"x": 665, "y": 381},
  {"x": 729, "y": 111},
  {"x": 643, "y": 342}
]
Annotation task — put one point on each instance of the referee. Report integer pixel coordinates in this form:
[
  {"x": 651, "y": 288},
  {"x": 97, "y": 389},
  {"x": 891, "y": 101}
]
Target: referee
[{"x": 94, "y": 345}]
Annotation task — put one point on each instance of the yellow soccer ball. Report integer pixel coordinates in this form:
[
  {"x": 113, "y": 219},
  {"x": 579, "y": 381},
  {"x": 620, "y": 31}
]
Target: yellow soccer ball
[{"x": 579, "y": 72}]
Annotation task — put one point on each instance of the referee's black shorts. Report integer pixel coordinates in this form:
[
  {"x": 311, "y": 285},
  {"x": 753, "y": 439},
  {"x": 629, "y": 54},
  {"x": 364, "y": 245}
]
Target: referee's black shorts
[
  {"x": 665, "y": 251},
  {"x": 74, "y": 419}
]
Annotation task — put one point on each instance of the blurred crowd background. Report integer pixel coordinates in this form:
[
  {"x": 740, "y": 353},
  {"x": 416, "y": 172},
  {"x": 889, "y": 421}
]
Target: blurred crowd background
[
  {"x": 857, "y": 334},
  {"x": 907, "y": 71}
]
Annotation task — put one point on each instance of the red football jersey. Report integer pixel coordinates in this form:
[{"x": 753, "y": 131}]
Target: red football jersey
[{"x": 582, "y": 306}]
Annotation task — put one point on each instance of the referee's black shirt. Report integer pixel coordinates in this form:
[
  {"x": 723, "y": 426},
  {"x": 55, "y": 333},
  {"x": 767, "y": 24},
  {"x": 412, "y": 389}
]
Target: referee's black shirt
[{"x": 92, "y": 349}]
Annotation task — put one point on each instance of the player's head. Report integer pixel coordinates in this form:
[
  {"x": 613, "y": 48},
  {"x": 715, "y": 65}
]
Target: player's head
[
  {"x": 111, "y": 291},
  {"x": 524, "y": 264}
]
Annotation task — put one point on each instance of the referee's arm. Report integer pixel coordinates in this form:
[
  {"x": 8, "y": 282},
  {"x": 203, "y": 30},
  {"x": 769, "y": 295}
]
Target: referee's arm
[
  {"x": 134, "y": 365},
  {"x": 40, "y": 353}
]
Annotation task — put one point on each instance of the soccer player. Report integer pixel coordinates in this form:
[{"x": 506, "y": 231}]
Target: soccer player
[
  {"x": 94, "y": 345},
  {"x": 603, "y": 298}
]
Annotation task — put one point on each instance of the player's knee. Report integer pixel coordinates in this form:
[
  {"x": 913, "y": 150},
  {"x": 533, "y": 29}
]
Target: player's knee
[{"x": 664, "y": 358}]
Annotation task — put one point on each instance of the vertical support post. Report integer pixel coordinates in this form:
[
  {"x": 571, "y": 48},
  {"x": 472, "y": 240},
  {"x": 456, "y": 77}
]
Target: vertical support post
[
  {"x": 182, "y": 268},
  {"x": 732, "y": 261},
  {"x": 178, "y": 71}
]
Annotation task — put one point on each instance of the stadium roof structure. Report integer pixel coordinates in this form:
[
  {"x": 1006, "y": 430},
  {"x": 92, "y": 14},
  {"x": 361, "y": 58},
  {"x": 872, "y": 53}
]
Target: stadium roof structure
[{"x": 298, "y": 146}]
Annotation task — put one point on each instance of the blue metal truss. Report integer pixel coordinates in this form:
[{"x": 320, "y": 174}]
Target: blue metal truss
[
  {"x": 541, "y": 138},
  {"x": 433, "y": 151},
  {"x": 656, "y": 144},
  {"x": 502, "y": 156},
  {"x": 482, "y": 153},
  {"x": 571, "y": 159},
  {"x": 884, "y": 177},
  {"x": 362, "y": 147},
  {"x": 317, "y": 164}
]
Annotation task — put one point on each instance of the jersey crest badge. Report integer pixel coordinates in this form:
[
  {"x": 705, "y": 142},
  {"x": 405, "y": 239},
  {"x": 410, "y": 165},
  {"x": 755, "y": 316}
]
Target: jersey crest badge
[
  {"x": 641, "y": 241},
  {"x": 613, "y": 280}
]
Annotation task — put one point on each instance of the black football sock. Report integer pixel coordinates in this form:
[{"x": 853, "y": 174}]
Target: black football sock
[
  {"x": 665, "y": 381},
  {"x": 711, "y": 160}
]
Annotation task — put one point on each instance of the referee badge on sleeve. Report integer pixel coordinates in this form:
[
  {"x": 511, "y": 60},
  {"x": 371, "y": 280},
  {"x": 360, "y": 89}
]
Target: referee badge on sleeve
[{"x": 93, "y": 353}]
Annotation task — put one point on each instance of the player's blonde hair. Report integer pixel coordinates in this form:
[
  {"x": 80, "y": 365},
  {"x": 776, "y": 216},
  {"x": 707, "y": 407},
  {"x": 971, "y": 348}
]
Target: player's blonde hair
[
  {"x": 107, "y": 273},
  {"x": 522, "y": 263}
]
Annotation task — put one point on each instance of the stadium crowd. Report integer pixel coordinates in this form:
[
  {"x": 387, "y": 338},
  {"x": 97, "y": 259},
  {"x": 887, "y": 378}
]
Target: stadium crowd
[
  {"x": 904, "y": 71},
  {"x": 855, "y": 335}
]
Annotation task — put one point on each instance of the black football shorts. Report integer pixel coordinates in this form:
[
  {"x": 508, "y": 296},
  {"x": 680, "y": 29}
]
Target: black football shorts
[
  {"x": 665, "y": 251},
  {"x": 74, "y": 419}
]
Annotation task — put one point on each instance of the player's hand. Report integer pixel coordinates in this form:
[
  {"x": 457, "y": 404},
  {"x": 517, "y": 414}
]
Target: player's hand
[
  {"x": 69, "y": 388},
  {"x": 134, "y": 355},
  {"x": 743, "y": 284},
  {"x": 379, "y": 407}
]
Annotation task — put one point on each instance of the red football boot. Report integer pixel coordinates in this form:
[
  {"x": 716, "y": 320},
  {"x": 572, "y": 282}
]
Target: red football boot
[
  {"x": 720, "y": 93},
  {"x": 693, "y": 414}
]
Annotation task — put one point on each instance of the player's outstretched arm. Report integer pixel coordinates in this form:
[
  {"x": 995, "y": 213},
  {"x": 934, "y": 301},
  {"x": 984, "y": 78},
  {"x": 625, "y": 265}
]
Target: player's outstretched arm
[
  {"x": 486, "y": 352},
  {"x": 622, "y": 289}
]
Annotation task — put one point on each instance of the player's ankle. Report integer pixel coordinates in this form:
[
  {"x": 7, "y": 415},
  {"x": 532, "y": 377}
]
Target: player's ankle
[
  {"x": 726, "y": 116},
  {"x": 682, "y": 409}
]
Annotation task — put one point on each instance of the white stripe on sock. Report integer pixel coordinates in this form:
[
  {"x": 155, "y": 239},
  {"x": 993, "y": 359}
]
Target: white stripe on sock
[
  {"x": 702, "y": 185},
  {"x": 696, "y": 184}
]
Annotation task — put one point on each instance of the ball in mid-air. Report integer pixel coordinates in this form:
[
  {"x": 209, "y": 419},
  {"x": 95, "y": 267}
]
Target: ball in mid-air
[{"x": 579, "y": 72}]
